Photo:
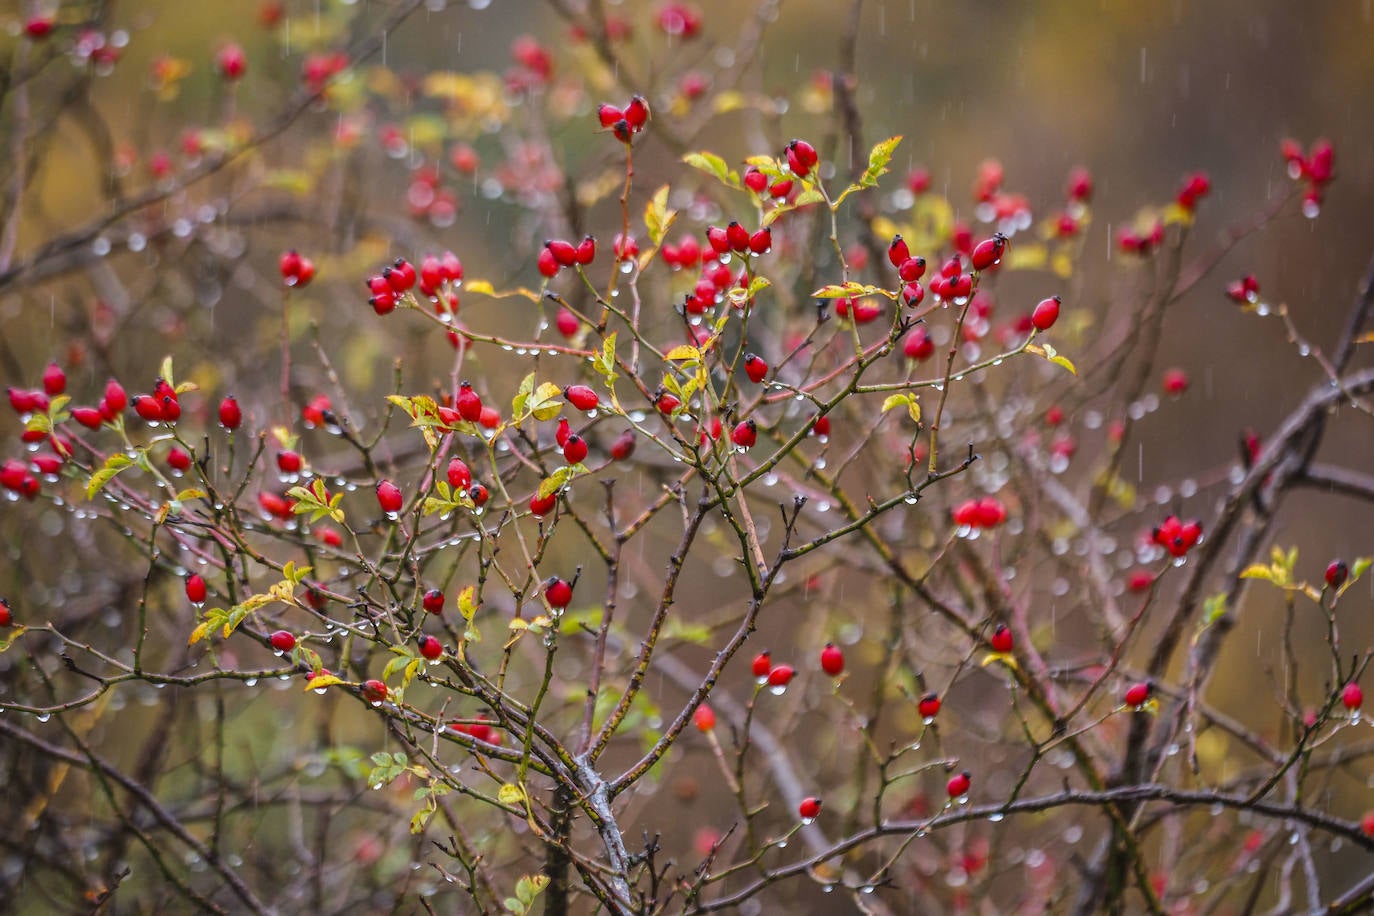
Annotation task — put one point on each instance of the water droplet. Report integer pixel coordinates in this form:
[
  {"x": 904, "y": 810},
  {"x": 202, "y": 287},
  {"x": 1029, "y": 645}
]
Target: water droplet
[
  {"x": 996, "y": 817},
  {"x": 250, "y": 682},
  {"x": 777, "y": 690},
  {"x": 43, "y": 716}
]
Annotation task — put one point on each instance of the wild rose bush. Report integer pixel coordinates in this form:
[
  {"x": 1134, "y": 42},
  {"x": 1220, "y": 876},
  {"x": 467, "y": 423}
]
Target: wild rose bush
[{"x": 748, "y": 532}]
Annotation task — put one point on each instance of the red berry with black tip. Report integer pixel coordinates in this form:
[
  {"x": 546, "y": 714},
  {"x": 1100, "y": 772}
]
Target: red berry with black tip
[
  {"x": 929, "y": 707},
  {"x": 563, "y": 252},
  {"x": 147, "y": 407},
  {"x": 745, "y": 434},
  {"x": 897, "y": 251},
  {"x": 809, "y": 809},
  {"x": 958, "y": 784},
  {"x": 469, "y": 403},
  {"x": 478, "y": 494},
  {"x": 558, "y": 592},
  {"x": 988, "y": 252},
  {"x": 575, "y": 449},
  {"x": 737, "y": 236},
  {"x": 433, "y": 601},
  {"x": 430, "y": 648},
  {"x": 1336, "y": 574},
  {"x": 761, "y": 242},
  {"x": 6, "y": 614},
  {"x": 1137, "y": 694},
  {"x": 762, "y": 664},
  {"x": 755, "y": 368},
  {"x": 1001, "y": 640},
  {"x": 637, "y": 113},
  {"x": 832, "y": 660},
  {"x": 608, "y": 115},
  {"x": 585, "y": 252}
]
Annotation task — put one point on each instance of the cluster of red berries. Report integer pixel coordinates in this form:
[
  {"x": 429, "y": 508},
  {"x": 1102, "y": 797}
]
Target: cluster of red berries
[
  {"x": 1132, "y": 242},
  {"x": 1317, "y": 168},
  {"x": 910, "y": 269},
  {"x": 533, "y": 64},
  {"x": 987, "y": 512},
  {"x": 390, "y": 285},
  {"x": 735, "y": 238},
  {"x": 952, "y": 283},
  {"x": 775, "y": 677},
  {"x": 1176, "y": 536},
  {"x": 296, "y": 269},
  {"x": 758, "y": 182},
  {"x": 624, "y": 122},
  {"x": 480, "y": 730},
  {"x": 801, "y": 158},
  {"x": 1080, "y": 190},
  {"x": 559, "y": 253}
]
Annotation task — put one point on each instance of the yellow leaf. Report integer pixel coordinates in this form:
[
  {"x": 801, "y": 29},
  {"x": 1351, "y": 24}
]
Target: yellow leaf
[
  {"x": 683, "y": 351},
  {"x": 200, "y": 633},
  {"x": 321, "y": 681},
  {"x": 1005, "y": 658},
  {"x": 510, "y": 794},
  {"x": 1258, "y": 571}
]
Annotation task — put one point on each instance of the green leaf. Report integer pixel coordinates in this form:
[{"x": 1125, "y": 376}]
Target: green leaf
[
  {"x": 878, "y": 159},
  {"x": 559, "y": 479},
  {"x": 713, "y": 165},
  {"x": 117, "y": 462},
  {"x": 165, "y": 372},
  {"x": 913, "y": 407},
  {"x": 544, "y": 404},
  {"x": 604, "y": 361},
  {"x": 852, "y": 288}
]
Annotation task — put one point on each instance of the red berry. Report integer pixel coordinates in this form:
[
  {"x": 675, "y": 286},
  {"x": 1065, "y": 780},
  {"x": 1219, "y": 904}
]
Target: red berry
[
  {"x": 195, "y": 589},
  {"x": 563, "y": 252},
  {"x": 1140, "y": 581},
  {"x": 459, "y": 477},
  {"x": 745, "y": 434},
  {"x": 88, "y": 417},
  {"x": 1352, "y": 696},
  {"x": 148, "y": 408},
  {"x": 809, "y": 809},
  {"x": 478, "y": 494},
  {"x": 567, "y": 322},
  {"x": 558, "y": 592},
  {"x": 543, "y": 505},
  {"x": 918, "y": 345},
  {"x": 374, "y": 691},
  {"x": 39, "y": 26},
  {"x": 1367, "y": 824},
  {"x": 115, "y": 398},
  {"x": 737, "y": 236},
  {"x": 6, "y": 615},
  {"x": 897, "y": 251},
  {"x": 755, "y": 180},
  {"x": 431, "y": 648},
  {"x": 469, "y": 404},
  {"x": 761, "y": 242},
  {"x": 400, "y": 275},
  {"x": 1337, "y": 573},
  {"x": 801, "y": 157},
  {"x": 832, "y": 660},
  {"x": 958, "y": 785},
  {"x": 433, "y": 601},
  {"x": 563, "y": 433},
  {"x": 1175, "y": 381},
  {"x": 230, "y": 415},
  {"x": 780, "y": 676},
  {"x": 704, "y": 717},
  {"x": 821, "y": 427},
  {"x": 178, "y": 460},
  {"x": 624, "y": 445},
  {"x": 389, "y": 497},
  {"x": 637, "y": 113},
  {"x": 762, "y": 664},
  {"x": 54, "y": 380},
  {"x": 585, "y": 252},
  {"x": 608, "y": 115},
  {"x": 548, "y": 265},
  {"x": 928, "y": 707},
  {"x": 489, "y": 418},
  {"x": 1137, "y": 694},
  {"x": 1046, "y": 313},
  {"x": 667, "y": 402},
  {"x": 231, "y": 62},
  {"x": 575, "y": 449},
  {"x": 582, "y": 397},
  {"x": 1001, "y": 640},
  {"x": 289, "y": 462},
  {"x": 282, "y": 640},
  {"x": 988, "y": 253},
  {"x": 755, "y": 368}
]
